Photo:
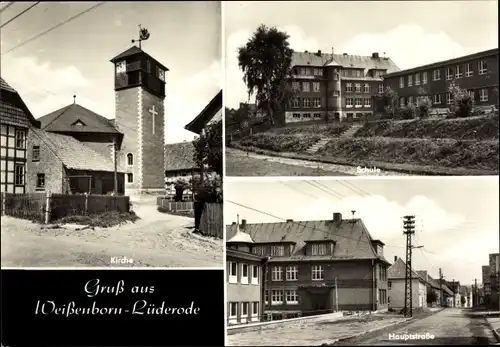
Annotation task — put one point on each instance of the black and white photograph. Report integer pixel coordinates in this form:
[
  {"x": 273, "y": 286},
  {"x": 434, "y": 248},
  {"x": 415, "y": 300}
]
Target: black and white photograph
[
  {"x": 372, "y": 261},
  {"x": 111, "y": 134},
  {"x": 343, "y": 88}
]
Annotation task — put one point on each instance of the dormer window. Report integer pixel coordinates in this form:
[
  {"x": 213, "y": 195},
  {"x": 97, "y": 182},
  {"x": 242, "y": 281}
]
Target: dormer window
[
  {"x": 278, "y": 250},
  {"x": 78, "y": 123},
  {"x": 161, "y": 74},
  {"x": 121, "y": 67},
  {"x": 318, "y": 249}
]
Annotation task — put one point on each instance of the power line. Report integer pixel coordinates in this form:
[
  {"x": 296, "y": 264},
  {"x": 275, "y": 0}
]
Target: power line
[
  {"x": 54, "y": 27},
  {"x": 19, "y": 14},
  {"x": 302, "y": 224},
  {"x": 7, "y": 6},
  {"x": 355, "y": 189}
]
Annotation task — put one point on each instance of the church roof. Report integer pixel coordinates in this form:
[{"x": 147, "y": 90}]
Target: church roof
[
  {"x": 179, "y": 156},
  {"x": 74, "y": 154},
  {"x": 77, "y": 119},
  {"x": 205, "y": 116},
  {"x": 134, "y": 50}
]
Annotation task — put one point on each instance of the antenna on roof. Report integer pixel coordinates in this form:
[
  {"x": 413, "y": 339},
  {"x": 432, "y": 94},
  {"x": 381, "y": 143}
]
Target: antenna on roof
[
  {"x": 74, "y": 98},
  {"x": 353, "y": 213}
]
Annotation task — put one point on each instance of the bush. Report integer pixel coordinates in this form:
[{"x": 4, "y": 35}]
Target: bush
[
  {"x": 280, "y": 143},
  {"x": 333, "y": 129},
  {"x": 446, "y": 153},
  {"x": 102, "y": 220}
]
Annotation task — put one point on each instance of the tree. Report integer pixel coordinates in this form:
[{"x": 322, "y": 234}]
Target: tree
[
  {"x": 463, "y": 101},
  {"x": 208, "y": 148},
  {"x": 180, "y": 186},
  {"x": 424, "y": 105},
  {"x": 389, "y": 98},
  {"x": 209, "y": 189},
  {"x": 266, "y": 61},
  {"x": 431, "y": 297}
]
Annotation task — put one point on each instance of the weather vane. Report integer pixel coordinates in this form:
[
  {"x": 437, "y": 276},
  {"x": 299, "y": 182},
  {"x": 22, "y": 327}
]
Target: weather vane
[{"x": 143, "y": 35}]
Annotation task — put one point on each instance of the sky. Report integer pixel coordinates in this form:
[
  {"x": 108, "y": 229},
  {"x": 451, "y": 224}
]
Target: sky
[
  {"x": 456, "y": 219},
  {"x": 75, "y": 58},
  {"x": 411, "y": 33}
]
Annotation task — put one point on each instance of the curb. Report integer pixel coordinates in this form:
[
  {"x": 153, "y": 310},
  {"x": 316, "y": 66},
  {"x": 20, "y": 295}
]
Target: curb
[
  {"x": 364, "y": 333},
  {"x": 495, "y": 333},
  {"x": 420, "y": 172}
]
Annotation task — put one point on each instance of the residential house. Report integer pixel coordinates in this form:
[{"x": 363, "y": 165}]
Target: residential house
[
  {"x": 317, "y": 267},
  {"x": 210, "y": 114},
  {"x": 467, "y": 293},
  {"x": 432, "y": 286},
  {"x": 62, "y": 164},
  {"x": 486, "y": 272},
  {"x": 16, "y": 122},
  {"x": 455, "y": 288},
  {"x": 448, "y": 296},
  {"x": 477, "y": 73},
  {"x": 397, "y": 277},
  {"x": 245, "y": 280},
  {"x": 332, "y": 86}
]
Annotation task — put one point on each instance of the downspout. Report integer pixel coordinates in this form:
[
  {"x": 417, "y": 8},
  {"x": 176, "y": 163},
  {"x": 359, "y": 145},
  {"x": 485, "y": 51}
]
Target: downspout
[
  {"x": 263, "y": 287},
  {"x": 374, "y": 286}
]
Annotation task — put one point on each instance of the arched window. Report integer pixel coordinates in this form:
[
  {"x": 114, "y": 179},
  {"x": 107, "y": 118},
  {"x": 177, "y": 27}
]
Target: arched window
[{"x": 130, "y": 159}]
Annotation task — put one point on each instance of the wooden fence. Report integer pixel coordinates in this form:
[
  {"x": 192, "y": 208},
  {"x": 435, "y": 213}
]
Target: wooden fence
[
  {"x": 166, "y": 203},
  {"x": 34, "y": 206},
  {"x": 211, "y": 222}
]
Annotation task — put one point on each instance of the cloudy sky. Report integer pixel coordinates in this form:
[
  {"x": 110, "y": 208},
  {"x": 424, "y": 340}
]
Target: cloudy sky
[
  {"x": 74, "y": 58},
  {"x": 411, "y": 33},
  {"x": 456, "y": 218}
]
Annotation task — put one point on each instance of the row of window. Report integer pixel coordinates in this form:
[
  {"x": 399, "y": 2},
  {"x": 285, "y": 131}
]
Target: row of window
[
  {"x": 306, "y": 102},
  {"x": 307, "y": 116},
  {"x": 358, "y": 102},
  {"x": 437, "y": 98},
  {"x": 382, "y": 297},
  {"x": 456, "y": 72},
  {"x": 358, "y": 88},
  {"x": 243, "y": 273},
  {"x": 305, "y": 71},
  {"x": 242, "y": 310},
  {"x": 306, "y": 86},
  {"x": 292, "y": 272},
  {"x": 282, "y": 297}
]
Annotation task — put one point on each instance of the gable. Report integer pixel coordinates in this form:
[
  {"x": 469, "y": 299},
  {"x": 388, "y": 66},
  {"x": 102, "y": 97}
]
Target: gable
[
  {"x": 13, "y": 110},
  {"x": 210, "y": 111},
  {"x": 68, "y": 119}
]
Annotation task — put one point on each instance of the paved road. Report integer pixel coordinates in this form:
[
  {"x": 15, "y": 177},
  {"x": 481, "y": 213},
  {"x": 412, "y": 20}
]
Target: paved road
[{"x": 449, "y": 327}]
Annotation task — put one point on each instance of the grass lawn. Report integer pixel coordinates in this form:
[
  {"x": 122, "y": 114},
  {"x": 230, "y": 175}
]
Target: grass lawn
[{"x": 239, "y": 165}]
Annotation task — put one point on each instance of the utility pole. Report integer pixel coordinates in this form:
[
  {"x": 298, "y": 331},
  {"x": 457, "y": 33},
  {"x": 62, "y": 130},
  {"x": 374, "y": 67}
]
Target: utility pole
[
  {"x": 408, "y": 230},
  {"x": 498, "y": 278},
  {"x": 474, "y": 293},
  {"x": 441, "y": 287},
  {"x": 115, "y": 163},
  {"x": 454, "y": 293}
]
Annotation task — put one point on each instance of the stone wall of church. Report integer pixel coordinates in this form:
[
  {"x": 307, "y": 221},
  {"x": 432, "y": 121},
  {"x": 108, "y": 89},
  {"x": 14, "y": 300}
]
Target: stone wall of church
[{"x": 153, "y": 141}]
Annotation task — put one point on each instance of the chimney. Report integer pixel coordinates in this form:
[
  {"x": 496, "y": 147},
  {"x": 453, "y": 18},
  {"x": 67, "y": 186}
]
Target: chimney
[
  {"x": 337, "y": 217},
  {"x": 375, "y": 55},
  {"x": 233, "y": 223},
  {"x": 345, "y": 54},
  {"x": 395, "y": 258},
  {"x": 243, "y": 223},
  {"x": 306, "y": 52},
  {"x": 319, "y": 52},
  {"x": 289, "y": 220}
]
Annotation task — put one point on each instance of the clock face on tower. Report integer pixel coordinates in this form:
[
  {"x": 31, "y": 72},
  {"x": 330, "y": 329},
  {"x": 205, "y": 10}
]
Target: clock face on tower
[
  {"x": 121, "y": 66},
  {"x": 161, "y": 75}
]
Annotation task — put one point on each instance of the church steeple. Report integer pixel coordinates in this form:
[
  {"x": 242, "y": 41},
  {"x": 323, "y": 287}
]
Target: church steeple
[{"x": 134, "y": 68}]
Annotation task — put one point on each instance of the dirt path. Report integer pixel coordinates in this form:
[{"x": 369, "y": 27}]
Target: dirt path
[
  {"x": 157, "y": 239},
  {"x": 241, "y": 163}
]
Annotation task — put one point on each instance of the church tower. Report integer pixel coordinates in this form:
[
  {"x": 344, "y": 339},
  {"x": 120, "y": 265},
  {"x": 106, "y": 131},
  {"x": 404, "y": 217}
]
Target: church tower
[{"x": 140, "y": 116}]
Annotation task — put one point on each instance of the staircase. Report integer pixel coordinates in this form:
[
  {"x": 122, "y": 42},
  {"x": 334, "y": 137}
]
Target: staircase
[
  {"x": 320, "y": 144},
  {"x": 351, "y": 131}
]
